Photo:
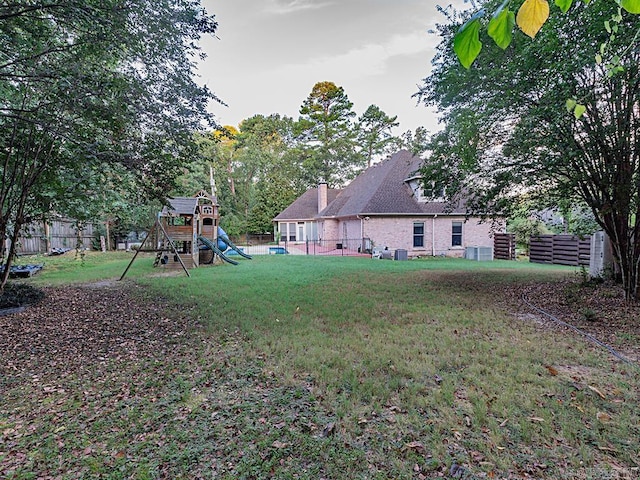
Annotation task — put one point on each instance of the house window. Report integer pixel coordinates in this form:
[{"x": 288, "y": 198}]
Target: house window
[
  {"x": 418, "y": 234},
  {"x": 288, "y": 232},
  {"x": 456, "y": 234}
]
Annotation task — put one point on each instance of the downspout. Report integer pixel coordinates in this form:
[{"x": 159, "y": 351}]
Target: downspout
[{"x": 433, "y": 235}]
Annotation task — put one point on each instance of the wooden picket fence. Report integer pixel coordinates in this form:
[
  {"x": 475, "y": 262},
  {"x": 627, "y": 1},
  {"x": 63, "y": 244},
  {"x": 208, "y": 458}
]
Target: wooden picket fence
[{"x": 560, "y": 250}]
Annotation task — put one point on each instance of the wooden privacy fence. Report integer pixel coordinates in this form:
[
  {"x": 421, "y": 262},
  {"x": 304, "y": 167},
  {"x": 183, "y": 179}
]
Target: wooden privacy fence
[
  {"x": 504, "y": 246},
  {"x": 57, "y": 234},
  {"x": 560, "y": 250}
]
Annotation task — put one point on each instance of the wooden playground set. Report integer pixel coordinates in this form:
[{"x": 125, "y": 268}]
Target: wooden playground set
[{"x": 187, "y": 234}]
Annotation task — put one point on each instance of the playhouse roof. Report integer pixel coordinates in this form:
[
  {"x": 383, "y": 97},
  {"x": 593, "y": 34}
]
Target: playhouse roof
[{"x": 181, "y": 206}]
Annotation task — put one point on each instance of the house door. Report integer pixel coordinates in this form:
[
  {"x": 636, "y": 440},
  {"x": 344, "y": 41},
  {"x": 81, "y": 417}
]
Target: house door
[{"x": 301, "y": 232}]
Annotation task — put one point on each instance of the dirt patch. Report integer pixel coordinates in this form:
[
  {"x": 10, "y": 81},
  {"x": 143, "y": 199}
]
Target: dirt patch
[{"x": 102, "y": 284}]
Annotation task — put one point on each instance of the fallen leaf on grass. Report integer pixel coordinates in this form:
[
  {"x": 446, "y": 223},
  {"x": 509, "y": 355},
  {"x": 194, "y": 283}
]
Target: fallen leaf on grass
[
  {"x": 476, "y": 456},
  {"x": 329, "y": 430},
  {"x": 603, "y": 417},
  {"x": 536, "y": 419},
  {"x": 600, "y": 394},
  {"x": 415, "y": 446},
  {"x": 279, "y": 445},
  {"x": 578, "y": 407},
  {"x": 608, "y": 449},
  {"x": 552, "y": 371}
]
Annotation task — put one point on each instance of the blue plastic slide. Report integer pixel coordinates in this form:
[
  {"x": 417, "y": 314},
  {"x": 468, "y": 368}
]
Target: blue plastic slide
[
  {"x": 224, "y": 242},
  {"x": 216, "y": 250}
]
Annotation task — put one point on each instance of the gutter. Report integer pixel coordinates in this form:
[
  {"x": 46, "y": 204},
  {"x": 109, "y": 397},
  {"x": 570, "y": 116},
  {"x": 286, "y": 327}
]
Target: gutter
[
  {"x": 433, "y": 235},
  {"x": 362, "y": 220}
]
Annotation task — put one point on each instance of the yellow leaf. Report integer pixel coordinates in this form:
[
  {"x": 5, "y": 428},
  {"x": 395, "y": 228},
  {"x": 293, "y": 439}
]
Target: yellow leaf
[
  {"x": 532, "y": 15},
  {"x": 600, "y": 394}
]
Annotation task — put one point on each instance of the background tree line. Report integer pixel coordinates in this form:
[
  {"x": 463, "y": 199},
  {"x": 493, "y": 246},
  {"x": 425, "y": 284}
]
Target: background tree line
[{"x": 265, "y": 163}]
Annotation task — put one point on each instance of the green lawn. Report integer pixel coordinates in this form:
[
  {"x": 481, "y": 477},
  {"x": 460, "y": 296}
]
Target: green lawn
[{"x": 322, "y": 367}]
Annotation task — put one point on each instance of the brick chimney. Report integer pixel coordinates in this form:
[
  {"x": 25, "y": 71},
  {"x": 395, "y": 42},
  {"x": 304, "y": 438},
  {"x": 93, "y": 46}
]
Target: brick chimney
[{"x": 322, "y": 196}]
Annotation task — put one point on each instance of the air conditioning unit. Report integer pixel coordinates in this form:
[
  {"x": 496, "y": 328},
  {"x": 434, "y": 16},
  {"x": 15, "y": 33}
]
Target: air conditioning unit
[{"x": 480, "y": 254}]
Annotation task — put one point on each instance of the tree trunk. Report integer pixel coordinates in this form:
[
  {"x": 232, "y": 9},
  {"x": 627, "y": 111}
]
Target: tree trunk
[
  {"x": 626, "y": 253},
  {"x": 10, "y": 256}
]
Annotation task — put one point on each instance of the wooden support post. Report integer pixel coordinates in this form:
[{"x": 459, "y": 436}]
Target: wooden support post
[{"x": 155, "y": 249}]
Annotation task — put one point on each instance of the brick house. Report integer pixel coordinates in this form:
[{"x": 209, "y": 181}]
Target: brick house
[{"x": 383, "y": 207}]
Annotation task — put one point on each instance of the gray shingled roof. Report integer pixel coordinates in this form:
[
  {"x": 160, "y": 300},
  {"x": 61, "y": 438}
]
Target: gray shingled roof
[
  {"x": 382, "y": 190},
  {"x": 305, "y": 207},
  {"x": 181, "y": 206}
]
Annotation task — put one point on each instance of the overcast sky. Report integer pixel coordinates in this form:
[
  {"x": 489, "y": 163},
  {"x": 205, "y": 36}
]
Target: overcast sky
[{"x": 270, "y": 53}]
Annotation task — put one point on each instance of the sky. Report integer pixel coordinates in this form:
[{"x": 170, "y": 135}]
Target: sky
[{"x": 269, "y": 54}]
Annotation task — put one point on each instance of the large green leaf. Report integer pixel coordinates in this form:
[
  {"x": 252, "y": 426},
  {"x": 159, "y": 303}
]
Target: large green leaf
[
  {"x": 466, "y": 43},
  {"x": 564, "y": 5},
  {"x": 631, "y": 6},
  {"x": 501, "y": 25}
]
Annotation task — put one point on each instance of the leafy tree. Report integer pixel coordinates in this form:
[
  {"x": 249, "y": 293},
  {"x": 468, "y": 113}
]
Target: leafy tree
[
  {"x": 531, "y": 16},
  {"x": 507, "y": 130},
  {"x": 326, "y": 133},
  {"x": 417, "y": 141},
  {"x": 266, "y": 146},
  {"x": 374, "y": 133},
  {"x": 574, "y": 218},
  {"x": 104, "y": 194},
  {"x": 94, "y": 82},
  {"x": 524, "y": 227},
  {"x": 256, "y": 170}
]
